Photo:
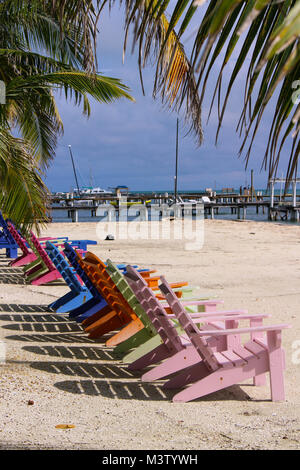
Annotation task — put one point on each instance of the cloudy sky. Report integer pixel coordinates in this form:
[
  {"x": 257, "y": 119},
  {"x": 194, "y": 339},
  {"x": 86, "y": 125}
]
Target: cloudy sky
[{"x": 133, "y": 144}]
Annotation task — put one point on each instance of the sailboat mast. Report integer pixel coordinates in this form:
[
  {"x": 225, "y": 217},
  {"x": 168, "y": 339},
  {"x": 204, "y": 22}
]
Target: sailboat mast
[
  {"x": 176, "y": 165},
  {"x": 74, "y": 170}
]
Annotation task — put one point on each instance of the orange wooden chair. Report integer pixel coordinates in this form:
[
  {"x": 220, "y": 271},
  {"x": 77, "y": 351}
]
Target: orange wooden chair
[{"x": 118, "y": 313}]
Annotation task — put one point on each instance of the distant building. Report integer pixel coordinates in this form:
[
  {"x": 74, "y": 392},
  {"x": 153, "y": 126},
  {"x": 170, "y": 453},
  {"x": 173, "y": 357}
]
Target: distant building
[{"x": 121, "y": 190}]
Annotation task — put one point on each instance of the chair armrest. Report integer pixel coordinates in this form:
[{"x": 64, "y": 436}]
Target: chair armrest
[
  {"x": 212, "y": 316},
  {"x": 185, "y": 287},
  {"x": 196, "y": 302},
  {"x": 243, "y": 330}
]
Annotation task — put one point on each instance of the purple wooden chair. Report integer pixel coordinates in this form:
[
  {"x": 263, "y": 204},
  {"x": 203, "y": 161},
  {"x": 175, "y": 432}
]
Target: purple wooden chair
[
  {"x": 176, "y": 350},
  {"x": 217, "y": 370}
]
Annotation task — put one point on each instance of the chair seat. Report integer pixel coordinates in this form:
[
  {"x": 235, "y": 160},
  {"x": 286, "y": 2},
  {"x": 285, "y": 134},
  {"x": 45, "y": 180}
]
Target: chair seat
[{"x": 240, "y": 355}]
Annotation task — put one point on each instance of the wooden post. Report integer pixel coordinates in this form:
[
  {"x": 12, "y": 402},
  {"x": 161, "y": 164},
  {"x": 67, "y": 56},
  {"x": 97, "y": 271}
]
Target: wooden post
[
  {"x": 294, "y": 193},
  {"x": 295, "y": 215},
  {"x": 74, "y": 215},
  {"x": 272, "y": 194}
]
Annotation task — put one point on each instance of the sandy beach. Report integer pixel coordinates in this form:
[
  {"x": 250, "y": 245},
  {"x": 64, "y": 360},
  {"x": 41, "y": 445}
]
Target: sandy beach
[{"x": 73, "y": 380}]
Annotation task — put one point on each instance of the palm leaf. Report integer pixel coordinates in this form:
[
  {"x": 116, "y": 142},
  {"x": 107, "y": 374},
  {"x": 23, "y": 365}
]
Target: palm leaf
[
  {"x": 265, "y": 31},
  {"x": 65, "y": 32},
  {"x": 174, "y": 78},
  {"x": 23, "y": 196}
]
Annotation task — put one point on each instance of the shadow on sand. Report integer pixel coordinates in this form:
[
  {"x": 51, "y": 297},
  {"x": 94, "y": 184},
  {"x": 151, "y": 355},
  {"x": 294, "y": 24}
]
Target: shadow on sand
[{"x": 74, "y": 351}]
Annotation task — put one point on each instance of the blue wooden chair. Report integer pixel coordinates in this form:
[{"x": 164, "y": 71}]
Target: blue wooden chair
[
  {"x": 96, "y": 301},
  {"x": 82, "y": 244},
  {"x": 7, "y": 241},
  {"x": 79, "y": 294}
]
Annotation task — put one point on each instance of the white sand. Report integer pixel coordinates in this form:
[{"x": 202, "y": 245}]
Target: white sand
[{"x": 73, "y": 380}]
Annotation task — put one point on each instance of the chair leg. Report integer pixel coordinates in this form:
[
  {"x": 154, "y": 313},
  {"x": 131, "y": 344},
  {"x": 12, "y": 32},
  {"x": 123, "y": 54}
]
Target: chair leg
[
  {"x": 92, "y": 319},
  {"x": 129, "y": 330},
  {"x": 211, "y": 383},
  {"x": 12, "y": 252},
  {"x": 78, "y": 299},
  {"x": 182, "y": 359},
  {"x": 140, "y": 351},
  {"x": 35, "y": 271},
  {"x": 259, "y": 380},
  {"x": 134, "y": 341},
  {"x": 109, "y": 322},
  {"x": 90, "y": 307},
  {"x": 47, "y": 277},
  {"x": 158, "y": 354},
  {"x": 276, "y": 361},
  {"x": 223, "y": 378},
  {"x": 33, "y": 266},
  {"x": 84, "y": 316},
  {"x": 22, "y": 260},
  {"x": 187, "y": 376},
  {"x": 62, "y": 300}
]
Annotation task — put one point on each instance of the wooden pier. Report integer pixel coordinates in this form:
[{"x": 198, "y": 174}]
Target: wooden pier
[
  {"x": 239, "y": 208},
  {"x": 273, "y": 206}
]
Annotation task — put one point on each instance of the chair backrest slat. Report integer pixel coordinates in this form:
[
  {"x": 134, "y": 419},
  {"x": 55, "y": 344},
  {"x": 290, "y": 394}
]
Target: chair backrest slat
[
  {"x": 6, "y": 231},
  {"x": 73, "y": 256},
  {"x": 41, "y": 252},
  {"x": 163, "y": 325},
  {"x": 63, "y": 267},
  {"x": 126, "y": 291},
  {"x": 18, "y": 239},
  {"x": 185, "y": 320},
  {"x": 96, "y": 271}
]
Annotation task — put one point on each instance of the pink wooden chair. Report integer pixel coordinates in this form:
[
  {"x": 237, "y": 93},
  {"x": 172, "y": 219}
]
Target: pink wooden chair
[
  {"x": 176, "y": 350},
  {"x": 217, "y": 370},
  {"x": 27, "y": 255},
  {"x": 44, "y": 271}
]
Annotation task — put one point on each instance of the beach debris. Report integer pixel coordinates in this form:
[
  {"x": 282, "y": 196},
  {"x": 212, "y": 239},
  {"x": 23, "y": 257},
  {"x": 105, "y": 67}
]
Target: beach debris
[
  {"x": 65, "y": 426},
  {"x": 109, "y": 237},
  {"x": 30, "y": 402}
]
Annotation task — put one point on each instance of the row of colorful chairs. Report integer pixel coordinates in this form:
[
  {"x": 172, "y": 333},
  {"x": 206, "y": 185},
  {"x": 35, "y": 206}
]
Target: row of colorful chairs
[
  {"x": 203, "y": 348},
  {"x": 149, "y": 322}
]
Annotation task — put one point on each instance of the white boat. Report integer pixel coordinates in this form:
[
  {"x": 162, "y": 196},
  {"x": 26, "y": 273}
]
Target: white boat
[{"x": 90, "y": 191}]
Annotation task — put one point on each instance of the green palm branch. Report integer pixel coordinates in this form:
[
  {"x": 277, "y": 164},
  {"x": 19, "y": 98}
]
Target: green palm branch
[
  {"x": 264, "y": 31},
  {"x": 68, "y": 64},
  {"x": 23, "y": 195}
]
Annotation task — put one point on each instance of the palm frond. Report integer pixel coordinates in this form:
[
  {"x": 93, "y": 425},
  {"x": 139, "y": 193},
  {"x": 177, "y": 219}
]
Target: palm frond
[
  {"x": 65, "y": 28},
  {"x": 265, "y": 31},
  {"x": 174, "y": 79},
  {"x": 23, "y": 195},
  {"x": 44, "y": 45}
]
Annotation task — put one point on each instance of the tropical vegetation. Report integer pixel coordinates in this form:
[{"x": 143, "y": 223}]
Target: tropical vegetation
[
  {"x": 262, "y": 33},
  {"x": 42, "y": 48},
  {"x": 52, "y": 43}
]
